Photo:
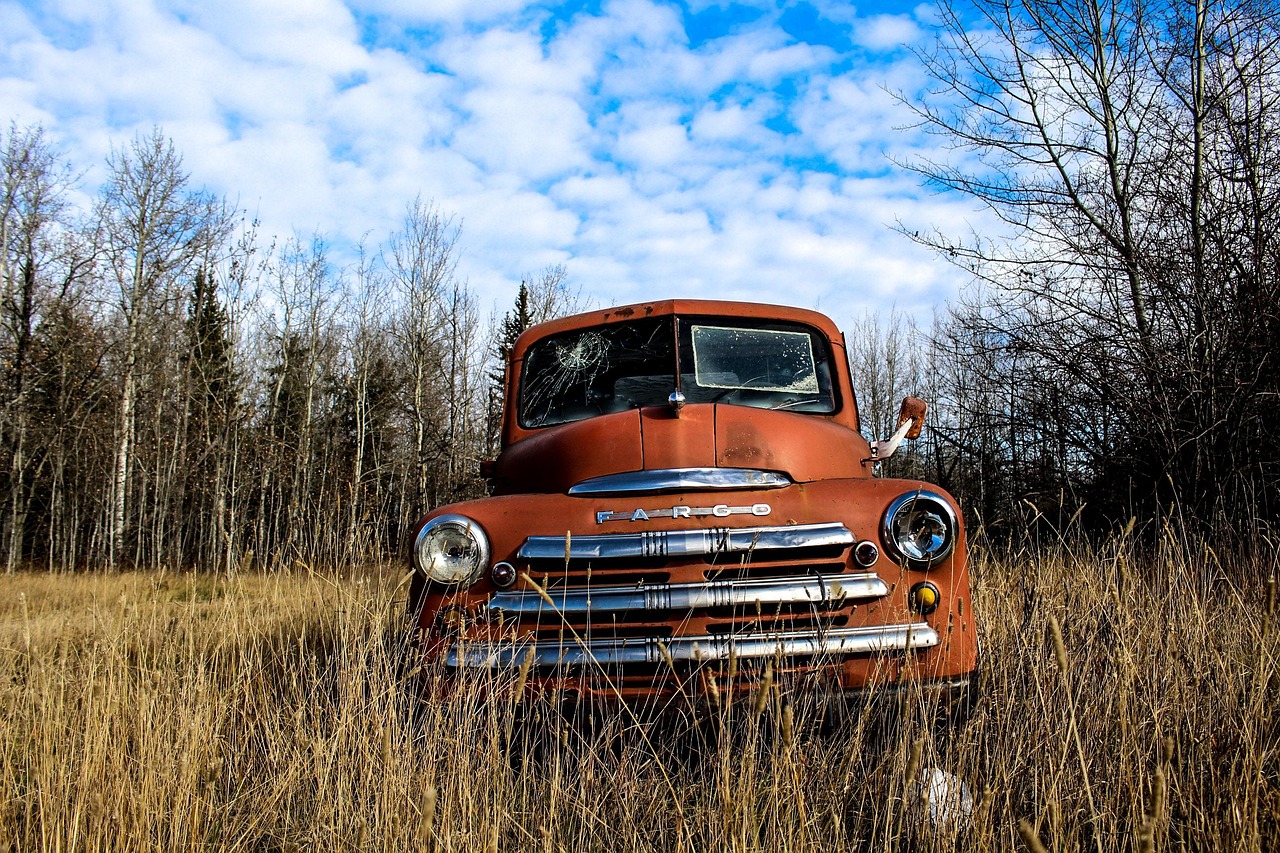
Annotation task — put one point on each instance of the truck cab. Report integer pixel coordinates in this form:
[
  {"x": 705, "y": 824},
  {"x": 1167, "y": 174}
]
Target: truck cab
[{"x": 684, "y": 496}]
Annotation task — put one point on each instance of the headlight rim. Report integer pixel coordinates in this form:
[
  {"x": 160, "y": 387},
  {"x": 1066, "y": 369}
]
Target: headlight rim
[
  {"x": 949, "y": 517},
  {"x": 472, "y": 529}
]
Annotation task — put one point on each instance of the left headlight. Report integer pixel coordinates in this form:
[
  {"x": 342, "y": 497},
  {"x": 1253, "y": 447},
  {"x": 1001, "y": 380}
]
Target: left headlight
[
  {"x": 920, "y": 529},
  {"x": 451, "y": 549}
]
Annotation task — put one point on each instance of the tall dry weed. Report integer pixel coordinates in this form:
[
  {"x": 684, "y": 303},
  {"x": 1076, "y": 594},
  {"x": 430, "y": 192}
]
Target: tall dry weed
[{"x": 178, "y": 712}]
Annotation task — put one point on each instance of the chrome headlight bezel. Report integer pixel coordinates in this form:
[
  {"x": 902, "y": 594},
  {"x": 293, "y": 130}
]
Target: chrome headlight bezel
[
  {"x": 920, "y": 529},
  {"x": 451, "y": 539}
]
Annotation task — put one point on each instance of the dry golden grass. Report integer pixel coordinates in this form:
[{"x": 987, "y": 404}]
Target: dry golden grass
[{"x": 178, "y": 712}]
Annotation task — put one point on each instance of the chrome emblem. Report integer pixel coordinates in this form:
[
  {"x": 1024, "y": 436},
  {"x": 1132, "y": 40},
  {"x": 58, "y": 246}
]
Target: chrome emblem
[{"x": 719, "y": 511}]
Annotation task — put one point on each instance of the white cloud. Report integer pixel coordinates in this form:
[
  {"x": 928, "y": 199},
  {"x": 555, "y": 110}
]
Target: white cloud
[
  {"x": 318, "y": 34},
  {"x": 927, "y": 14},
  {"x": 771, "y": 65},
  {"x": 521, "y": 112},
  {"x": 646, "y": 24},
  {"x": 651, "y": 168},
  {"x": 535, "y": 136},
  {"x": 394, "y": 106},
  {"x": 728, "y": 123},
  {"x": 887, "y": 32},
  {"x": 654, "y": 146},
  {"x": 455, "y": 12},
  {"x": 856, "y": 121},
  {"x": 592, "y": 191}
]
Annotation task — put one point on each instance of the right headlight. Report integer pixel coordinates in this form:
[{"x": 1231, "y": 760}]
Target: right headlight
[
  {"x": 451, "y": 549},
  {"x": 920, "y": 529}
]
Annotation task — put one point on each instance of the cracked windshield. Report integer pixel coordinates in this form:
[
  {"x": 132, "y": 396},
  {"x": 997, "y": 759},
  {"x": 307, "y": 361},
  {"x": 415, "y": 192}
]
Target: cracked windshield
[{"x": 622, "y": 366}]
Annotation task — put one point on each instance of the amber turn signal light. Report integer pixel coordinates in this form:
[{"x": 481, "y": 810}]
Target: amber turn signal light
[{"x": 924, "y": 598}]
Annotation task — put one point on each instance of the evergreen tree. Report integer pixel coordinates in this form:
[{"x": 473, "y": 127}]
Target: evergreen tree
[
  {"x": 514, "y": 322},
  {"x": 209, "y": 407}
]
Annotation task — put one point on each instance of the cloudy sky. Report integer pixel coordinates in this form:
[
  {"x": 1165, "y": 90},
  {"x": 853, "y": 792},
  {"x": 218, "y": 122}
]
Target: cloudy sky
[{"x": 705, "y": 148}]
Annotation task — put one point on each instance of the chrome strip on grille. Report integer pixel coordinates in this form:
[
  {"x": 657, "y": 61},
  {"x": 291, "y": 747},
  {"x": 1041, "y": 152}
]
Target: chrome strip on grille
[
  {"x": 673, "y": 543},
  {"x": 678, "y": 479},
  {"x": 767, "y": 592},
  {"x": 836, "y": 641}
]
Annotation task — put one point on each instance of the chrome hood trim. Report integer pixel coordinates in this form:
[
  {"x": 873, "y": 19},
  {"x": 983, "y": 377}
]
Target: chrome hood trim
[
  {"x": 680, "y": 479},
  {"x": 701, "y": 649},
  {"x": 677, "y": 543},
  {"x": 828, "y": 591}
]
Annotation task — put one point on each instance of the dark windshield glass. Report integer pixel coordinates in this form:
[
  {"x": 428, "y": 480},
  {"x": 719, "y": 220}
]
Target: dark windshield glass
[
  {"x": 621, "y": 366},
  {"x": 592, "y": 372}
]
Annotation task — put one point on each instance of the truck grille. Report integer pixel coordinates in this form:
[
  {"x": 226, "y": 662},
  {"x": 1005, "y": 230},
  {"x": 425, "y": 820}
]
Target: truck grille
[
  {"x": 764, "y": 593},
  {"x": 684, "y": 596},
  {"x": 680, "y": 543}
]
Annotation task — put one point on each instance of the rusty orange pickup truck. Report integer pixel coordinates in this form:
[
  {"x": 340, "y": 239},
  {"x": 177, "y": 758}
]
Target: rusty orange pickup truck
[{"x": 683, "y": 495}]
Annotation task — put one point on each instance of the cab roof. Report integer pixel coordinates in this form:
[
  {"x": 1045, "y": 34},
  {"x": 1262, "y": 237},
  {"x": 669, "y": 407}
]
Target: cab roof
[{"x": 681, "y": 307}]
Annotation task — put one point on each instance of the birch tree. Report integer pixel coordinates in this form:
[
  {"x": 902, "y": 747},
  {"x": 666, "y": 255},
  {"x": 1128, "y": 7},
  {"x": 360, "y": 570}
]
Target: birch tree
[
  {"x": 421, "y": 259},
  {"x": 31, "y": 189},
  {"x": 154, "y": 227}
]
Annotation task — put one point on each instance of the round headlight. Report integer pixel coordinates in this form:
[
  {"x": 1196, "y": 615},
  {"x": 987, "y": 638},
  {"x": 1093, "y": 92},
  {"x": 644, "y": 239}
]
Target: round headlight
[
  {"x": 920, "y": 529},
  {"x": 451, "y": 549}
]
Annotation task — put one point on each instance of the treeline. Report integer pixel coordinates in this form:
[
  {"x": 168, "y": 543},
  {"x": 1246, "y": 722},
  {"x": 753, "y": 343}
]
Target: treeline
[
  {"x": 176, "y": 393},
  {"x": 1119, "y": 355}
]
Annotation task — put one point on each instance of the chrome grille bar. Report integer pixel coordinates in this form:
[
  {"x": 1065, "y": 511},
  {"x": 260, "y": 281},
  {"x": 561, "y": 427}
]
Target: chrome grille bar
[
  {"x": 831, "y": 590},
  {"x": 679, "y": 543},
  {"x": 833, "y": 642}
]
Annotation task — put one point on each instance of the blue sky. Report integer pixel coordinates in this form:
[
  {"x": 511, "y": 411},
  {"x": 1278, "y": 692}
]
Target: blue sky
[{"x": 722, "y": 150}]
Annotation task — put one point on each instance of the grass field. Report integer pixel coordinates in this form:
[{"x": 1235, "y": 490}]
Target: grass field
[{"x": 188, "y": 712}]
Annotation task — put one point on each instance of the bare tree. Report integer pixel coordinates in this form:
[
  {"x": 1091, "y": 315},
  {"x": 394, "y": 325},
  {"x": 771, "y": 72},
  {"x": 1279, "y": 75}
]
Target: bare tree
[
  {"x": 37, "y": 250},
  {"x": 541, "y": 297},
  {"x": 171, "y": 395},
  {"x": 370, "y": 402},
  {"x": 299, "y": 347},
  {"x": 885, "y": 357},
  {"x": 420, "y": 260},
  {"x": 225, "y": 387},
  {"x": 889, "y": 360},
  {"x": 154, "y": 228},
  {"x": 464, "y": 372},
  {"x": 551, "y": 295},
  {"x": 1129, "y": 148}
]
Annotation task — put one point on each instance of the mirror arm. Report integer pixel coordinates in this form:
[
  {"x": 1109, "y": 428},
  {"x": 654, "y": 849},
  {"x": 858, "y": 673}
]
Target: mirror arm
[
  {"x": 881, "y": 450},
  {"x": 910, "y": 420}
]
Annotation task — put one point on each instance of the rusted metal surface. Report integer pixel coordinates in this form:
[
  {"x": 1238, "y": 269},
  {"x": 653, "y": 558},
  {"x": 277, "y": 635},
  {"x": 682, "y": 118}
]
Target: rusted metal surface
[{"x": 658, "y": 545}]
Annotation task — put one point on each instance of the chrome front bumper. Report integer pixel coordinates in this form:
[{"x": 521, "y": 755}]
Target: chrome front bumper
[{"x": 703, "y": 649}]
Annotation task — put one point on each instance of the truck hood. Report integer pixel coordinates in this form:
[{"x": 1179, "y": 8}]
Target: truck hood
[{"x": 804, "y": 447}]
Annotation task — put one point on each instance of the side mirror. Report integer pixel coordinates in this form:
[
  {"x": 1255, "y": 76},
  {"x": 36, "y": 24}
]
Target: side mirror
[
  {"x": 912, "y": 411},
  {"x": 910, "y": 420}
]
